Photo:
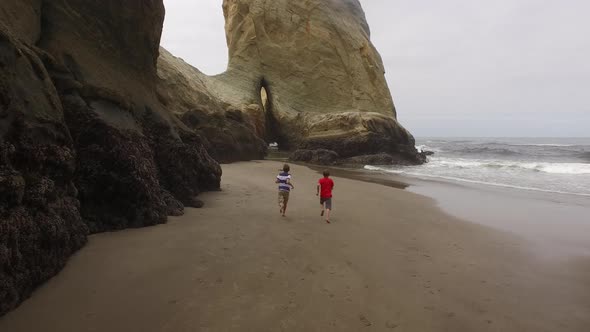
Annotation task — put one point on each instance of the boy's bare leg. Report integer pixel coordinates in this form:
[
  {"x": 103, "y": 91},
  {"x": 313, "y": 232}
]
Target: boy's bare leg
[
  {"x": 322, "y": 205},
  {"x": 284, "y": 209},
  {"x": 328, "y": 216}
]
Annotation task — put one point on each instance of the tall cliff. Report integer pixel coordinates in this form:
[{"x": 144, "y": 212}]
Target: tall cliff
[
  {"x": 306, "y": 75},
  {"x": 85, "y": 143},
  {"x": 314, "y": 56}
]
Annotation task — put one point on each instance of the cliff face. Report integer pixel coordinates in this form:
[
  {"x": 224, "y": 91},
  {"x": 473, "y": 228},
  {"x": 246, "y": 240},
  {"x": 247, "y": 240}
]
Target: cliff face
[
  {"x": 325, "y": 80},
  {"x": 40, "y": 225},
  {"x": 315, "y": 56},
  {"x": 85, "y": 143},
  {"x": 231, "y": 132},
  {"x": 325, "y": 94},
  {"x": 132, "y": 152}
]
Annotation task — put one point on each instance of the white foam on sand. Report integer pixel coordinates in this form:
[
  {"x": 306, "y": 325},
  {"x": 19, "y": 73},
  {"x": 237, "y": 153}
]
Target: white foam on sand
[
  {"x": 546, "y": 167},
  {"x": 423, "y": 147},
  {"x": 457, "y": 179}
]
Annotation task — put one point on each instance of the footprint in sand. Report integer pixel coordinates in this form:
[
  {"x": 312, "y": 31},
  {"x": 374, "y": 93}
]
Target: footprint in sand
[
  {"x": 330, "y": 294},
  {"x": 310, "y": 270},
  {"x": 391, "y": 325},
  {"x": 364, "y": 320}
]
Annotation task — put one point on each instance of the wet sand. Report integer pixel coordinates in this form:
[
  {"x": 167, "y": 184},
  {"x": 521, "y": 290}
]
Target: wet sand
[{"x": 390, "y": 261}]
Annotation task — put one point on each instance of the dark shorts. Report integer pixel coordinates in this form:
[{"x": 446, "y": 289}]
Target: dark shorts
[{"x": 327, "y": 202}]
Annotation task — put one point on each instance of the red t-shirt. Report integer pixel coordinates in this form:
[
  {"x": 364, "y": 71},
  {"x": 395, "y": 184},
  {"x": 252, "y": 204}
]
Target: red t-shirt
[{"x": 326, "y": 185}]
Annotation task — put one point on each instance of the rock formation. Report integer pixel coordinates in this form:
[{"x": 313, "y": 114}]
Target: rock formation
[
  {"x": 40, "y": 224},
  {"x": 132, "y": 152},
  {"x": 85, "y": 143},
  {"x": 101, "y": 129},
  {"x": 231, "y": 132},
  {"x": 324, "y": 78}
]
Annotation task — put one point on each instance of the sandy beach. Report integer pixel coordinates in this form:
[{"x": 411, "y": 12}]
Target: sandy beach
[{"x": 390, "y": 261}]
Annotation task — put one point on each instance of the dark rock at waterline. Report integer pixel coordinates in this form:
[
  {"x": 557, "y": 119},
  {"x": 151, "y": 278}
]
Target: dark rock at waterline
[
  {"x": 196, "y": 203},
  {"x": 319, "y": 156},
  {"x": 386, "y": 159},
  {"x": 374, "y": 159},
  {"x": 328, "y": 158}
]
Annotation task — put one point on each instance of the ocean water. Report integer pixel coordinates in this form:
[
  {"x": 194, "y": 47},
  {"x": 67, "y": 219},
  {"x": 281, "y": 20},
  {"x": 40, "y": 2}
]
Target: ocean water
[{"x": 557, "y": 165}]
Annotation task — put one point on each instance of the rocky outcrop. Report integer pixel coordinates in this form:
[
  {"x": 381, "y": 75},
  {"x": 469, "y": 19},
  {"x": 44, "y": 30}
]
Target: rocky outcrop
[
  {"x": 317, "y": 156},
  {"x": 40, "y": 223},
  {"x": 315, "y": 56},
  {"x": 131, "y": 149},
  {"x": 86, "y": 145},
  {"x": 231, "y": 132},
  {"x": 301, "y": 73},
  {"x": 323, "y": 76}
]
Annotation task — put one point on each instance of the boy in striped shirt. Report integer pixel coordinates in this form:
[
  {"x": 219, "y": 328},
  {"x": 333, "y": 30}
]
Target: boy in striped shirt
[{"x": 285, "y": 186}]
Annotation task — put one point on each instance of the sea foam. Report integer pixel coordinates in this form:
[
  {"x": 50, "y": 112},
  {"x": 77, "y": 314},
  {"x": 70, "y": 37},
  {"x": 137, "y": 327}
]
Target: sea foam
[
  {"x": 458, "y": 179},
  {"x": 547, "y": 167}
]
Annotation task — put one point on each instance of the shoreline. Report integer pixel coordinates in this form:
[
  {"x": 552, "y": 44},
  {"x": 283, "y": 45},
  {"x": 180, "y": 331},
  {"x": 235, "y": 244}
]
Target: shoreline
[
  {"x": 555, "y": 223},
  {"x": 391, "y": 260}
]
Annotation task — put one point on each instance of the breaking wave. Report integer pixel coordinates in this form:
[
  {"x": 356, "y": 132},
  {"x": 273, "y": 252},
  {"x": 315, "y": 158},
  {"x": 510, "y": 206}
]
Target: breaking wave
[
  {"x": 460, "y": 179},
  {"x": 546, "y": 167},
  {"x": 423, "y": 147}
]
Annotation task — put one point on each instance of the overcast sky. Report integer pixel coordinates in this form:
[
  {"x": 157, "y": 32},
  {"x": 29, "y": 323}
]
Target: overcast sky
[{"x": 454, "y": 67}]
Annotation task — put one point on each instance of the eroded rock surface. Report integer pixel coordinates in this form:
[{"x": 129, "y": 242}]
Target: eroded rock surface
[
  {"x": 86, "y": 145},
  {"x": 324, "y": 77},
  {"x": 40, "y": 223},
  {"x": 302, "y": 73},
  {"x": 231, "y": 132}
]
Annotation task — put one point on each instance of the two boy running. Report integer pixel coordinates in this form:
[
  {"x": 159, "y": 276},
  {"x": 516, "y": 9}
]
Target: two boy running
[{"x": 324, "y": 191}]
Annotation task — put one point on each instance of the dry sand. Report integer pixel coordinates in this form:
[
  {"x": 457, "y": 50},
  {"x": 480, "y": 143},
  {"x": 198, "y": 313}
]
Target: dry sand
[{"x": 390, "y": 261}]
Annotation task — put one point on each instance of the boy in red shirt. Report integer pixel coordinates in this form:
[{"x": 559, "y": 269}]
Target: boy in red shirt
[{"x": 325, "y": 186}]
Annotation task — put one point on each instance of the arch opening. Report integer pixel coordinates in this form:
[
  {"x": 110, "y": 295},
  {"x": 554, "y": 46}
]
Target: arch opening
[{"x": 272, "y": 135}]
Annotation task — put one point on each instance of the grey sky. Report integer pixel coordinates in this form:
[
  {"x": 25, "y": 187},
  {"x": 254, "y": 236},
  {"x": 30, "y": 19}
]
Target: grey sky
[{"x": 455, "y": 67}]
